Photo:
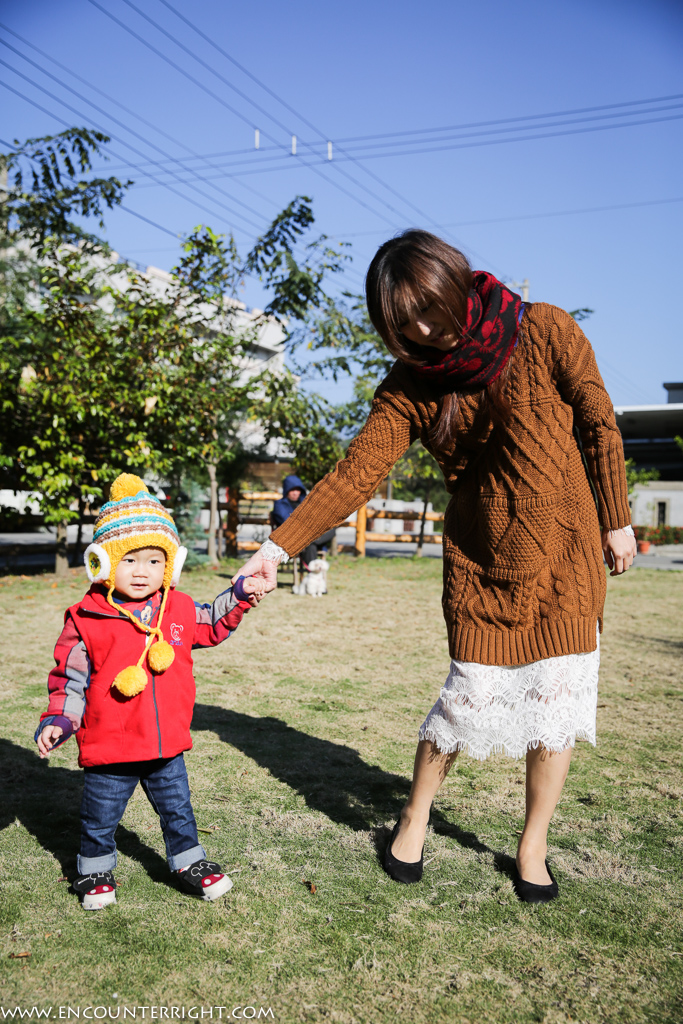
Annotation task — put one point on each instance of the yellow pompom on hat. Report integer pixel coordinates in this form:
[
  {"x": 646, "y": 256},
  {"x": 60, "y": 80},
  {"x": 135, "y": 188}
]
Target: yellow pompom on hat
[{"x": 132, "y": 519}]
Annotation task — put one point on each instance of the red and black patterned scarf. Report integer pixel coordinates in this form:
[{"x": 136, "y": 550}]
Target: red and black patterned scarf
[{"x": 490, "y": 334}]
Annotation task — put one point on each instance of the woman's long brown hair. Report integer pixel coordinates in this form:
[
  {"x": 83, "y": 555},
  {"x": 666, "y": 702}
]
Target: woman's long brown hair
[{"x": 408, "y": 272}]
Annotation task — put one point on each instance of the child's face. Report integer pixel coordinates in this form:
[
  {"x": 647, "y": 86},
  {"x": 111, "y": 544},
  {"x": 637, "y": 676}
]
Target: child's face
[{"x": 140, "y": 573}]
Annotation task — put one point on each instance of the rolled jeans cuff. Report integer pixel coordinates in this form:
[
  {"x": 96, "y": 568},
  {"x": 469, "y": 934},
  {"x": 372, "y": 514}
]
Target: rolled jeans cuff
[
  {"x": 187, "y": 857},
  {"x": 95, "y": 865}
]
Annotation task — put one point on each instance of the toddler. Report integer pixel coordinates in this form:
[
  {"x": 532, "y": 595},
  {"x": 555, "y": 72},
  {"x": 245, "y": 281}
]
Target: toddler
[{"x": 123, "y": 683}]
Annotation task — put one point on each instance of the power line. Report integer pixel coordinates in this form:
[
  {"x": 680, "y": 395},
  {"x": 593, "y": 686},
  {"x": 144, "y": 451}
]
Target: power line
[
  {"x": 49, "y": 113},
  {"x": 510, "y": 120},
  {"x": 374, "y": 148},
  {"x": 535, "y": 216},
  {"x": 255, "y": 161},
  {"x": 132, "y": 113},
  {"x": 337, "y": 168},
  {"x": 154, "y": 224},
  {"x": 242, "y": 117},
  {"x": 220, "y": 100},
  {"x": 526, "y": 138},
  {"x": 126, "y": 162},
  {"x": 67, "y": 124},
  {"x": 304, "y": 120},
  {"x": 134, "y": 149},
  {"x": 210, "y": 92}
]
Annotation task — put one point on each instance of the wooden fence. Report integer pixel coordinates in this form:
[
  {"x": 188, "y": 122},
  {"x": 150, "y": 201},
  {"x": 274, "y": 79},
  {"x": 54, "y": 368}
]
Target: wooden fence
[{"x": 254, "y": 508}]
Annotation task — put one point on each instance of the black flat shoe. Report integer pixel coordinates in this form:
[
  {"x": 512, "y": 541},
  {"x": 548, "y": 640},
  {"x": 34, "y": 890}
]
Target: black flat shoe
[
  {"x": 528, "y": 892},
  {"x": 401, "y": 870}
]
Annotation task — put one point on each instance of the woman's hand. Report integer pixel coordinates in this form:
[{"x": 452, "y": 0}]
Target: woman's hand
[
  {"x": 262, "y": 569},
  {"x": 619, "y": 550},
  {"x": 48, "y": 738}
]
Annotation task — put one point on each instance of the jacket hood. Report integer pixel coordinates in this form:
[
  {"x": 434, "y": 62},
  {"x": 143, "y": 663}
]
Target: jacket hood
[{"x": 290, "y": 483}]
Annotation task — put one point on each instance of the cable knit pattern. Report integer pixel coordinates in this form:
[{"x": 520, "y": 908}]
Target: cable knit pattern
[{"x": 523, "y": 571}]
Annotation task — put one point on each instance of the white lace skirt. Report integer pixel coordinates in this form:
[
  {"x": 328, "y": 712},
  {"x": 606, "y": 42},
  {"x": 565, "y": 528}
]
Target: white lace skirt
[{"x": 509, "y": 709}]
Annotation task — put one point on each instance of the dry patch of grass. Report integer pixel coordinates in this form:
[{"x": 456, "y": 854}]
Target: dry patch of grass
[{"x": 304, "y": 737}]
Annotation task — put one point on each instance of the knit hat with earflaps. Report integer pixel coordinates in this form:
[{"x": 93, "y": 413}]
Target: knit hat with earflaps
[{"x": 133, "y": 519}]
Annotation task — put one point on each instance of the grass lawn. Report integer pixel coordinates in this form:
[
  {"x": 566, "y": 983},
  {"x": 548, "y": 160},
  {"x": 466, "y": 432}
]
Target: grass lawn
[{"x": 304, "y": 735}]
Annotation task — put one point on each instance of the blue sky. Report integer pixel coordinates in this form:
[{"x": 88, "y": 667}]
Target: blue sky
[{"x": 592, "y": 218}]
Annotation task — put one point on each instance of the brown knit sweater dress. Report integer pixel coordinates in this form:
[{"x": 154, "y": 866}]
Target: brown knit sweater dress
[{"x": 523, "y": 571}]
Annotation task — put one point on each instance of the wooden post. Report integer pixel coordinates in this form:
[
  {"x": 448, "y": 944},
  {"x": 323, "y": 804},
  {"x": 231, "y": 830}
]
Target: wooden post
[
  {"x": 361, "y": 525},
  {"x": 233, "y": 522}
]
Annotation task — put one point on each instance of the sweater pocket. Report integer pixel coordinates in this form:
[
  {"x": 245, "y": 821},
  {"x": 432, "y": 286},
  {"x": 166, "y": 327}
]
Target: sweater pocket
[{"x": 511, "y": 533}]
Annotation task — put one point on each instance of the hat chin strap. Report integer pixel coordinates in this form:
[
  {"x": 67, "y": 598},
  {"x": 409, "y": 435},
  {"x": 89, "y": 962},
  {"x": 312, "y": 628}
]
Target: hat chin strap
[{"x": 132, "y": 680}]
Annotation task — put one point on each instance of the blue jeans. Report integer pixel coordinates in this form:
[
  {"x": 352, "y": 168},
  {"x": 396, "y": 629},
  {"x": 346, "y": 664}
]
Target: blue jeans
[{"x": 106, "y": 791}]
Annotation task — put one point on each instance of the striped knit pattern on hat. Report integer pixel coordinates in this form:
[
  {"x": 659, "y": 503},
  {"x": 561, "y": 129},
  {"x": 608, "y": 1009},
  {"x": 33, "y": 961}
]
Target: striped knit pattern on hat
[{"x": 132, "y": 519}]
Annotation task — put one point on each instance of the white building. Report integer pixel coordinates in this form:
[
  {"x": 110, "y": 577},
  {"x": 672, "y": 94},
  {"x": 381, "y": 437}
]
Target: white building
[
  {"x": 658, "y": 503},
  {"x": 649, "y": 434}
]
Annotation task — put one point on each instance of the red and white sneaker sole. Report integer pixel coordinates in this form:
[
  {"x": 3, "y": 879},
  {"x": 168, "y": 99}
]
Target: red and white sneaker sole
[
  {"x": 98, "y": 898},
  {"x": 217, "y": 888}
]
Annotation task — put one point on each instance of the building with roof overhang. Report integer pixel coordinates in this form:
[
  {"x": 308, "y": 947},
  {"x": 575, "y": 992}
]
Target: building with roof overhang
[{"x": 649, "y": 434}]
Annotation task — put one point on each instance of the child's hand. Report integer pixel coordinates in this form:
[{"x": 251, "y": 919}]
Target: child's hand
[
  {"x": 48, "y": 738},
  {"x": 255, "y": 587}
]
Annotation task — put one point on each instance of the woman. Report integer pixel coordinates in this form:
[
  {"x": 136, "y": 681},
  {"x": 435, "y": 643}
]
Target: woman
[{"x": 494, "y": 389}]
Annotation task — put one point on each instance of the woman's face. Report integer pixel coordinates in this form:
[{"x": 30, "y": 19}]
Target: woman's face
[{"x": 428, "y": 325}]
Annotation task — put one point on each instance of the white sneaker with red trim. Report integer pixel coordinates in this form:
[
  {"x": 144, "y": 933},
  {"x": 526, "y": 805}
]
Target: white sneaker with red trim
[
  {"x": 96, "y": 890},
  {"x": 205, "y": 880}
]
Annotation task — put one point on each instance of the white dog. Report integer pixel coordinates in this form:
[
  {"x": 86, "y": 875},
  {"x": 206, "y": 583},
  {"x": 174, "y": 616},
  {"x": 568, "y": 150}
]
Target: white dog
[{"x": 315, "y": 581}]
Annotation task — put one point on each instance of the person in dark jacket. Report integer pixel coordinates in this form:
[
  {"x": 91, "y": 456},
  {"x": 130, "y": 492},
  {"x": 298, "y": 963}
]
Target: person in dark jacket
[{"x": 293, "y": 493}]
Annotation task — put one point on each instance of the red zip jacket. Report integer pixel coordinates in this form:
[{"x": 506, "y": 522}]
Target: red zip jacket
[{"x": 156, "y": 722}]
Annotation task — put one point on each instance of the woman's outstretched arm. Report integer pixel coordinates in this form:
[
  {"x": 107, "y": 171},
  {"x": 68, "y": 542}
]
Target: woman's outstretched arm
[{"x": 389, "y": 431}]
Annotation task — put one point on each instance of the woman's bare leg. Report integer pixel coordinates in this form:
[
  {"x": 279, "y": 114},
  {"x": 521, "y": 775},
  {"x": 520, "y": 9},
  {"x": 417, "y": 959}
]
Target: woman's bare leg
[
  {"x": 431, "y": 768},
  {"x": 545, "y": 776}
]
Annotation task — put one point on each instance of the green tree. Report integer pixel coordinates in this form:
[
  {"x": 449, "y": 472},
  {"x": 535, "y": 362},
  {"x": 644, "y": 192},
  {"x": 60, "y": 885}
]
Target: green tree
[
  {"x": 45, "y": 185},
  {"x": 636, "y": 476},
  {"x": 103, "y": 369},
  {"x": 71, "y": 415},
  {"x": 207, "y": 409},
  {"x": 306, "y": 424}
]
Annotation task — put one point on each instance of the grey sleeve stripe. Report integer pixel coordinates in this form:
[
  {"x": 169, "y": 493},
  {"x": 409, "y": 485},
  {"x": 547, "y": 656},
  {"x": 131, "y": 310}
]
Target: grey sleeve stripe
[
  {"x": 77, "y": 671},
  {"x": 209, "y": 614}
]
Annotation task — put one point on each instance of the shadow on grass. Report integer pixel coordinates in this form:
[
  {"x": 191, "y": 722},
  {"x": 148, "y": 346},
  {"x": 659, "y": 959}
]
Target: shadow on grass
[
  {"x": 660, "y": 641},
  {"x": 46, "y": 800},
  {"x": 332, "y": 778}
]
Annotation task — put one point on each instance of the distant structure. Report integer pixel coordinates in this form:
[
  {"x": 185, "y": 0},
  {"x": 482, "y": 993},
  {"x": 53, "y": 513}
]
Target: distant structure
[{"x": 649, "y": 433}]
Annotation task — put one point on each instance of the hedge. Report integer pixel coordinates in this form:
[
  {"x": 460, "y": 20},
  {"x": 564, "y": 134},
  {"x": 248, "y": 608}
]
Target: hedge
[{"x": 659, "y": 534}]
